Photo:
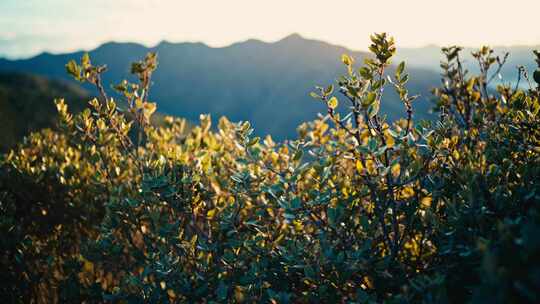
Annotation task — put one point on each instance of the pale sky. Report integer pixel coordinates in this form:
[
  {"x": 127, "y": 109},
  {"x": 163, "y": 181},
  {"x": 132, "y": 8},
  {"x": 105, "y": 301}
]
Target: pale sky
[{"x": 28, "y": 27}]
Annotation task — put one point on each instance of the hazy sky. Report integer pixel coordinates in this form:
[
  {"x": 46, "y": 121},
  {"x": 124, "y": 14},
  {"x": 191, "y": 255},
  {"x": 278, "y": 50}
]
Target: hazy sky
[{"x": 31, "y": 26}]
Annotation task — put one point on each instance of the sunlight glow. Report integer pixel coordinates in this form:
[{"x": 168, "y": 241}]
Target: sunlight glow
[{"x": 31, "y": 26}]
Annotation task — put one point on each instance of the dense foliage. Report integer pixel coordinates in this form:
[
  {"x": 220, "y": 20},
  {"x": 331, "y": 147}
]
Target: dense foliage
[{"x": 357, "y": 209}]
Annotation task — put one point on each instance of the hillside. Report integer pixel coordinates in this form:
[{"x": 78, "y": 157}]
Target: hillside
[
  {"x": 265, "y": 83},
  {"x": 26, "y": 104}
]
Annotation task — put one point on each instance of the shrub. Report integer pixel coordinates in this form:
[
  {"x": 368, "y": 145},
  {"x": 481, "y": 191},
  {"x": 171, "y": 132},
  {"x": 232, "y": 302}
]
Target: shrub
[{"x": 357, "y": 209}]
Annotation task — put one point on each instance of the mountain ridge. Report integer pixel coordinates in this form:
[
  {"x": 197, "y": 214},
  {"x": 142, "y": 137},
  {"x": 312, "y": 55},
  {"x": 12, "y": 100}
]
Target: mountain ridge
[{"x": 267, "y": 83}]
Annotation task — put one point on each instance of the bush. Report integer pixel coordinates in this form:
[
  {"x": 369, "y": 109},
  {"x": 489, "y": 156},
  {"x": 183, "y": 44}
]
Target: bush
[{"x": 357, "y": 209}]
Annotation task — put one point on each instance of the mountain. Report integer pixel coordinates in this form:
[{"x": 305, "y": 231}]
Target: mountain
[
  {"x": 429, "y": 57},
  {"x": 265, "y": 83},
  {"x": 26, "y": 104}
]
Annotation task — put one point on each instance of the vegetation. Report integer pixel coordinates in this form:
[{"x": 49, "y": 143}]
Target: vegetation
[{"x": 357, "y": 209}]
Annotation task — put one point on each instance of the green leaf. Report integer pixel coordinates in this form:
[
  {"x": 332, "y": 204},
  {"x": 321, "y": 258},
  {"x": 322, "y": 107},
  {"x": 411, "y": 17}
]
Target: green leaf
[
  {"x": 381, "y": 150},
  {"x": 73, "y": 69},
  {"x": 392, "y": 133},
  {"x": 298, "y": 155},
  {"x": 364, "y": 72},
  {"x": 373, "y": 109},
  {"x": 314, "y": 95},
  {"x": 536, "y": 76},
  {"x": 378, "y": 84},
  {"x": 222, "y": 291},
  {"x": 370, "y": 98},
  {"x": 309, "y": 272},
  {"x": 372, "y": 144},
  {"x": 329, "y": 89},
  {"x": 364, "y": 221},
  {"x": 331, "y": 213},
  {"x": 246, "y": 126},
  {"x": 289, "y": 216},
  {"x": 400, "y": 69},
  {"x": 296, "y": 203},
  {"x": 254, "y": 141},
  {"x": 404, "y": 79}
]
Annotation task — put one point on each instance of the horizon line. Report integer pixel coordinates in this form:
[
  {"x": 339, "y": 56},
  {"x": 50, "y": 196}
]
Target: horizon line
[{"x": 254, "y": 39}]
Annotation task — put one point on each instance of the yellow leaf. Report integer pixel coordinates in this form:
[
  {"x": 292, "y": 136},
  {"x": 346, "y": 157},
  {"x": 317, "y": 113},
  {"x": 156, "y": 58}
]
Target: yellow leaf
[
  {"x": 346, "y": 59},
  {"x": 279, "y": 238},
  {"x": 171, "y": 293},
  {"x": 455, "y": 140},
  {"x": 396, "y": 169},
  {"x": 149, "y": 109},
  {"x": 476, "y": 96},
  {"x": 333, "y": 102},
  {"x": 139, "y": 103},
  {"x": 445, "y": 143},
  {"x": 88, "y": 267},
  {"x": 359, "y": 166},
  {"x": 426, "y": 201},
  {"x": 163, "y": 285},
  {"x": 389, "y": 139},
  {"x": 407, "y": 192},
  {"x": 57, "y": 275},
  {"x": 210, "y": 214},
  {"x": 298, "y": 226},
  {"x": 239, "y": 294},
  {"x": 371, "y": 166}
]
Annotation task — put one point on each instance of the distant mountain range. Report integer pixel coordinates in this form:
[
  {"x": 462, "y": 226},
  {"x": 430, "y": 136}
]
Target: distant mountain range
[
  {"x": 429, "y": 57},
  {"x": 265, "y": 83}
]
